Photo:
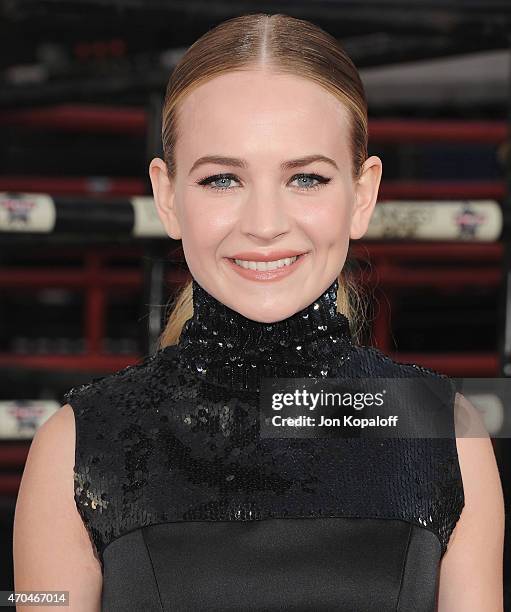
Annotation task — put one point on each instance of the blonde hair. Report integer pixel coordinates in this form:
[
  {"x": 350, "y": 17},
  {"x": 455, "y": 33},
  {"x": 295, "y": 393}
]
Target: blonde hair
[{"x": 284, "y": 45}]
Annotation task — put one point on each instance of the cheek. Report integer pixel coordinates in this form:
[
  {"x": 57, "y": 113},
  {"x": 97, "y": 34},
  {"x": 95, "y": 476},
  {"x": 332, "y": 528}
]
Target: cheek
[
  {"x": 328, "y": 222},
  {"x": 204, "y": 225}
]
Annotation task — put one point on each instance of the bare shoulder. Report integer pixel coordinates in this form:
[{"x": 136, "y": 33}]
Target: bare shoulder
[
  {"x": 51, "y": 547},
  {"x": 471, "y": 573},
  {"x": 62, "y": 424}
]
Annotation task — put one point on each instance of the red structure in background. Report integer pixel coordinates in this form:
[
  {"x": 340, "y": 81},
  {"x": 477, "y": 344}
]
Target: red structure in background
[
  {"x": 390, "y": 262},
  {"x": 390, "y": 270}
]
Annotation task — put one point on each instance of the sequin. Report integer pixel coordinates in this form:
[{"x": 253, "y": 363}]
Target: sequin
[{"x": 176, "y": 437}]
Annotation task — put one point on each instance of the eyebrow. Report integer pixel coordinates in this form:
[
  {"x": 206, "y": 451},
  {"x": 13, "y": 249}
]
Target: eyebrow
[{"x": 242, "y": 163}]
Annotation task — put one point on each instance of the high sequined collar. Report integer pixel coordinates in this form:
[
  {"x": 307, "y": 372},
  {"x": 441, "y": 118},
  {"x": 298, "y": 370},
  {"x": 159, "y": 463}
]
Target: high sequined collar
[{"x": 227, "y": 348}]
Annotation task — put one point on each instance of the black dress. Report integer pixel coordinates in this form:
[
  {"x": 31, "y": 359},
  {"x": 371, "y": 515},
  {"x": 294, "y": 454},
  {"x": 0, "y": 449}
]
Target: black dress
[{"x": 189, "y": 508}]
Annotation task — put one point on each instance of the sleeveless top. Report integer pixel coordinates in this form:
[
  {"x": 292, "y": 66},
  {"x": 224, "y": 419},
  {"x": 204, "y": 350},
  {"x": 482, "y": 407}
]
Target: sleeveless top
[{"x": 189, "y": 508}]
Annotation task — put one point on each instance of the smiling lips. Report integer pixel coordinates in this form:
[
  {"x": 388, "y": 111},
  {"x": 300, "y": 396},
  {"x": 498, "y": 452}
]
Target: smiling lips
[{"x": 272, "y": 266}]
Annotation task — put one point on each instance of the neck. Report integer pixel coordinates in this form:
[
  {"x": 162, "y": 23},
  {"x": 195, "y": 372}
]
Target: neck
[{"x": 227, "y": 348}]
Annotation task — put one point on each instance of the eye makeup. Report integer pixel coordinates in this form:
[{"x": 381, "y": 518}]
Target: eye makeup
[{"x": 207, "y": 180}]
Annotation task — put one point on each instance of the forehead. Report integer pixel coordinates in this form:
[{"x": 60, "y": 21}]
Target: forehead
[{"x": 256, "y": 110}]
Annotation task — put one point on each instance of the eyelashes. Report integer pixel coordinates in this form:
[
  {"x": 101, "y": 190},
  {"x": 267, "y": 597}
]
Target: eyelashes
[{"x": 206, "y": 181}]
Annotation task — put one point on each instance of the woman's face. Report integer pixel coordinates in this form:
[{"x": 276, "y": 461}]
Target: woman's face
[{"x": 261, "y": 202}]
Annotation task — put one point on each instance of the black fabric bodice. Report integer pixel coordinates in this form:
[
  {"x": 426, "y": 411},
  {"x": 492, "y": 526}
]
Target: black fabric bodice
[{"x": 189, "y": 508}]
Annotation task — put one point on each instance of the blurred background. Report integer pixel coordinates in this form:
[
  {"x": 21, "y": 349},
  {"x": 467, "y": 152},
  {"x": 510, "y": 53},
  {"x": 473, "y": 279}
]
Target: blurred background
[{"x": 86, "y": 269}]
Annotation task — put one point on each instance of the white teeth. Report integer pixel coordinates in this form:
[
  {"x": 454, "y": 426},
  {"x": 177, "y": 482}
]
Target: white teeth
[{"x": 265, "y": 265}]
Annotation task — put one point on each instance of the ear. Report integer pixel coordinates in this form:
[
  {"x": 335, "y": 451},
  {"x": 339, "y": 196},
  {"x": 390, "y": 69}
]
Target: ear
[
  {"x": 164, "y": 197},
  {"x": 366, "y": 194}
]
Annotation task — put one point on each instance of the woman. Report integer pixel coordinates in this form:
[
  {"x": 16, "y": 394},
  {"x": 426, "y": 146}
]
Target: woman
[{"x": 179, "y": 502}]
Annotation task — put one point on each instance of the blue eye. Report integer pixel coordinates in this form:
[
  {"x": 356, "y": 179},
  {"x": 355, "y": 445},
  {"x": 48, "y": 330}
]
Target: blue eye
[
  {"x": 225, "y": 178},
  {"x": 315, "y": 177},
  {"x": 217, "y": 178}
]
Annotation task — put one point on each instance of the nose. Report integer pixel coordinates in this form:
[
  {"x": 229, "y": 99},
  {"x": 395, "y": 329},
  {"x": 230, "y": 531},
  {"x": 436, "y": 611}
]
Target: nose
[{"x": 264, "y": 216}]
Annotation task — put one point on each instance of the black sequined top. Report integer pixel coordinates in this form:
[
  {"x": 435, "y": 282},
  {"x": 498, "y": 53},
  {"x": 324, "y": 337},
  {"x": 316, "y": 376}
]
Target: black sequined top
[{"x": 189, "y": 508}]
